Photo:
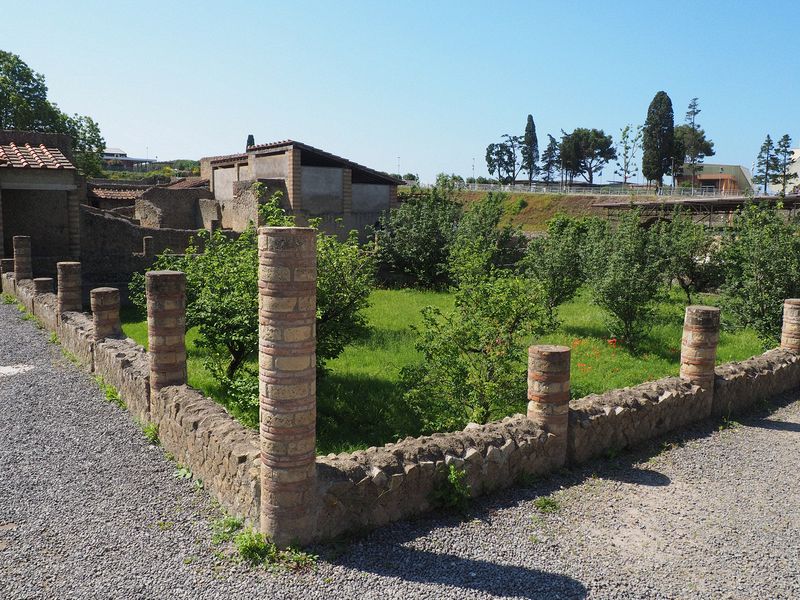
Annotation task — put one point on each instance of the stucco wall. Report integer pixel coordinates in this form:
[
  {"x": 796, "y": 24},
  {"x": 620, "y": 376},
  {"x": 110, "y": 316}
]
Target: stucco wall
[
  {"x": 371, "y": 197},
  {"x": 43, "y": 216},
  {"x": 223, "y": 183},
  {"x": 321, "y": 188},
  {"x": 171, "y": 209},
  {"x": 275, "y": 166}
]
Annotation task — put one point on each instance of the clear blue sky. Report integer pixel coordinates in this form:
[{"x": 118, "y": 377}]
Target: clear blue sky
[{"x": 430, "y": 82}]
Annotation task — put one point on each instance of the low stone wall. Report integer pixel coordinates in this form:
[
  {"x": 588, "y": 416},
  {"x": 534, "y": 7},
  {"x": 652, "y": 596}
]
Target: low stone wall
[
  {"x": 8, "y": 283},
  {"x": 741, "y": 385},
  {"x": 24, "y": 292},
  {"x": 75, "y": 332},
  {"x": 217, "y": 449},
  {"x": 373, "y": 487},
  {"x": 45, "y": 308},
  {"x": 123, "y": 364}
]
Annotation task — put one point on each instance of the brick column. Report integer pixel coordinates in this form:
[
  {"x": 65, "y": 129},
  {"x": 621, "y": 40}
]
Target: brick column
[
  {"x": 699, "y": 345},
  {"x": 70, "y": 288},
  {"x": 294, "y": 178},
  {"x": 2, "y": 243},
  {"x": 790, "y": 333},
  {"x": 74, "y": 218},
  {"x": 166, "y": 328},
  {"x": 147, "y": 245},
  {"x": 6, "y": 265},
  {"x": 287, "y": 276},
  {"x": 347, "y": 191},
  {"x": 548, "y": 392},
  {"x": 393, "y": 196},
  {"x": 42, "y": 285},
  {"x": 105, "y": 313},
  {"x": 23, "y": 267}
]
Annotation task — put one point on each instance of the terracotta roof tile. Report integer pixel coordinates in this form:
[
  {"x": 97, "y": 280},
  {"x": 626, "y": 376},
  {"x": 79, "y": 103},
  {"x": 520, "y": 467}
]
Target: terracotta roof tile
[
  {"x": 115, "y": 193},
  {"x": 188, "y": 183},
  {"x": 32, "y": 157}
]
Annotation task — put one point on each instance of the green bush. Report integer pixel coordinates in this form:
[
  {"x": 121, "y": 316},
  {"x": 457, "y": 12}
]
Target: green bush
[{"x": 452, "y": 493}]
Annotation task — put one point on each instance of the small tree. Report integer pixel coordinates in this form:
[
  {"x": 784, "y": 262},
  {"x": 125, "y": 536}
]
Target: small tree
[
  {"x": 554, "y": 261},
  {"x": 586, "y": 151},
  {"x": 689, "y": 252},
  {"x": 530, "y": 150},
  {"x": 551, "y": 160},
  {"x": 767, "y": 164},
  {"x": 761, "y": 258},
  {"x": 473, "y": 366},
  {"x": 690, "y": 143},
  {"x": 630, "y": 138},
  {"x": 626, "y": 277},
  {"x": 785, "y": 159}
]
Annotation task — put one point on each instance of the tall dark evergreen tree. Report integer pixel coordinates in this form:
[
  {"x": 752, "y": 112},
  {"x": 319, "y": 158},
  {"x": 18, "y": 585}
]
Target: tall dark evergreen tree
[
  {"x": 657, "y": 139},
  {"x": 784, "y": 175},
  {"x": 766, "y": 164},
  {"x": 551, "y": 160},
  {"x": 530, "y": 150},
  {"x": 251, "y": 141}
]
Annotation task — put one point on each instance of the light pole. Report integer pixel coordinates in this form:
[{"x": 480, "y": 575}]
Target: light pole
[{"x": 474, "y": 183}]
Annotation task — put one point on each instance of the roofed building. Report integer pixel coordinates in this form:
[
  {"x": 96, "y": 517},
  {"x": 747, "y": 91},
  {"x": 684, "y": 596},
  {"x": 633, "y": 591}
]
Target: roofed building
[
  {"x": 40, "y": 192},
  {"x": 116, "y": 159},
  {"x": 315, "y": 184},
  {"x": 715, "y": 178}
]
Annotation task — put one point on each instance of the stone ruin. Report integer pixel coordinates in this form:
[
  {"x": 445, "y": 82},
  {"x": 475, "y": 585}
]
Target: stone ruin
[{"x": 273, "y": 478}]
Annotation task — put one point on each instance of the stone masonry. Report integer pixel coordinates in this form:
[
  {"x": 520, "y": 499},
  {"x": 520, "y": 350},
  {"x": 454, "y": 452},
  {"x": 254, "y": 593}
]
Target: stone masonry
[
  {"x": 105, "y": 313},
  {"x": 287, "y": 374},
  {"x": 69, "y": 287},
  {"x": 166, "y": 328},
  {"x": 790, "y": 333},
  {"x": 23, "y": 267},
  {"x": 548, "y": 391},
  {"x": 699, "y": 345}
]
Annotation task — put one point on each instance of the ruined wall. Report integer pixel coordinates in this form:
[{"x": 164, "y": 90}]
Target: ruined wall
[
  {"x": 322, "y": 191},
  {"x": 166, "y": 208},
  {"x": 242, "y": 209},
  {"x": 42, "y": 215},
  {"x": 273, "y": 166},
  {"x": 740, "y": 385}
]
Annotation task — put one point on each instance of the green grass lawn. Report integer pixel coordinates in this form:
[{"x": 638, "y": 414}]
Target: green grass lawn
[{"x": 359, "y": 400}]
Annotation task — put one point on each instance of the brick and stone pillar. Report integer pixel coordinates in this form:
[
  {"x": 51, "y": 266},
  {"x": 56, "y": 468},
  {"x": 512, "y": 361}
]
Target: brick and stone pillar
[
  {"x": 42, "y": 285},
  {"x": 105, "y": 312},
  {"x": 147, "y": 245},
  {"x": 6, "y": 265},
  {"x": 23, "y": 265},
  {"x": 347, "y": 191},
  {"x": 294, "y": 179},
  {"x": 548, "y": 391},
  {"x": 2, "y": 244},
  {"x": 166, "y": 327},
  {"x": 699, "y": 345},
  {"x": 70, "y": 287},
  {"x": 790, "y": 333},
  {"x": 287, "y": 276}
]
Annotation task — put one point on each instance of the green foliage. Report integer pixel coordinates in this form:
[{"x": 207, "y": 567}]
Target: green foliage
[
  {"x": 658, "y": 138},
  {"x": 270, "y": 212},
  {"x": 690, "y": 253},
  {"x": 546, "y": 504},
  {"x": 24, "y": 105},
  {"x": 7, "y": 299},
  {"x": 761, "y": 261},
  {"x": 472, "y": 367},
  {"x": 554, "y": 261},
  {"x": 585, "y": 152},
  {"x": 690, "y": 146},
  {"x": 150, "y": 431},
  {"x": 767, "y": 164},
  {"x": 551, "y": 160},
  {"x": 452, "y": 493},
  {"x": 183, "y": 472},
  {"x": 413, "y": 241},
  {"x": 110, "y": 392},
  {"x": 784, "y": 175},
  {"x": 530, "y": 149},
  {"x": 224, "y": 529},
  {"x": 630, "y": 138},
  {"x": 257, "y": 550},
  {"x": 626, "y": 277}
]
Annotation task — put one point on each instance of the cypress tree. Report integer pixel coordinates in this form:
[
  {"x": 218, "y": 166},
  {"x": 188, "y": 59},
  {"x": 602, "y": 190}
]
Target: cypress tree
[
  {"x": 657, "y": 139},
  {"x": 530, "y": 150}
]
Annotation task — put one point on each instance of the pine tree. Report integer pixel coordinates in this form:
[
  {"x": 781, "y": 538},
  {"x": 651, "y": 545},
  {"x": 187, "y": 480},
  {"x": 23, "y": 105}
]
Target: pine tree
[
  {"x": 784, "y": 175},
  {"x": 530, "y": 150},
  {"x": 695, "y": 147},
  {"x": 766, "y": 164},
  {"x": 551, "y": 160},
  {"x": 629, "y": 140},
  {"x": 657, "y": 139}
]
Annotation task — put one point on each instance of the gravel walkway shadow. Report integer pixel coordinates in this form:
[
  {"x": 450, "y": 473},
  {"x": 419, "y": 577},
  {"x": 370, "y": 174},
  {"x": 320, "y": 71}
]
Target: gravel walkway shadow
[{"x": 89, "y": 510}]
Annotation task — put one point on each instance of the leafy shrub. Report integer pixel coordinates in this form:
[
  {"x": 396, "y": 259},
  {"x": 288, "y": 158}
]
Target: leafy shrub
[
  {"x": 761, "y": 261},
  {"x": 453, "y": 492}
]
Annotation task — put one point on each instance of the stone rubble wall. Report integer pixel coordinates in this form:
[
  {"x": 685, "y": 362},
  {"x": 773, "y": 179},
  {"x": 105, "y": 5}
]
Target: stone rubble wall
[
  {"x": 24, "y": 292},
  {"x": 373, "y": 487},
  {"x": 45, "y": 308},
  {"x": 741, "y": 385}
]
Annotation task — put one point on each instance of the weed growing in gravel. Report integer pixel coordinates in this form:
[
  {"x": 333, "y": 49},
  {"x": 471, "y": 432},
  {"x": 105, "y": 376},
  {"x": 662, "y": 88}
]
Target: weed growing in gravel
[
  {"x": 150, "y": 431},
  {"x": 257, "y": 550},
  {"x": 546, "y": 504},
  {"x": 165, "y": 525},
  {"x": 224, "y": 529},
  {"x": 21, "y": 307},
  {"x": 169, "y": 456},
  {"x": 7, "y": 299},
  {"x": 197, "y": 485},
  {"x": 534, "y": 539},
  {"x": 728, "y": 424},
  {"x": 54, "y": 338},
  {"x": 111, "y": 393},
  {"x": 189, "y": 560},
  {"x": 183, "y": 472},
  {"x": 70, "y": 356},
  {"x": 526, "y": 479},
  {"x": 453, "y": 492}
]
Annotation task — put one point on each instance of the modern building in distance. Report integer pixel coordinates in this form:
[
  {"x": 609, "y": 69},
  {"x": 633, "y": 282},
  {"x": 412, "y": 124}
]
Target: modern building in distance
[
  {"x": 724, "y": 179},
  {"x": 116, "y": 159}
]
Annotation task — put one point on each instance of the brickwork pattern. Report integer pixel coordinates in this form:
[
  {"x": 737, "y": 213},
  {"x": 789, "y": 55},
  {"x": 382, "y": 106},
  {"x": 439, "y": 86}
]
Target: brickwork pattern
[
  {"x": 74, "y": 223},
  {"x": 699, "y": 345},
  {"x": 105, "y": 313},
  {"x": 70, "y": 291},
  {"x": 166, "y": 327},
  {"x": 347, "y": 191},
  {"x": 287, "y": 374},
  {"x": 23, "y": 267},
  {"x": 294, "y": 180},
  {"x": 790, "y": 332},
  {"x": 548, "y": 390},
  {"x": 42, "y": 285}
]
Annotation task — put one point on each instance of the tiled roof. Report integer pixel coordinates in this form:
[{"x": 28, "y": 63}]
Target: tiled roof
[
  {"x": 306, "y": 147},
  {"x": 188, "y": 183},
  {"x": 115, "y": 193},
  {"x": 32, "y": 157}
]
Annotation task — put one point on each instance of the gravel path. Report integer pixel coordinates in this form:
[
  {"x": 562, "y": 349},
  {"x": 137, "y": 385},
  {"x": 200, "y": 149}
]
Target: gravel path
[{"x": 89, "y": 510}]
